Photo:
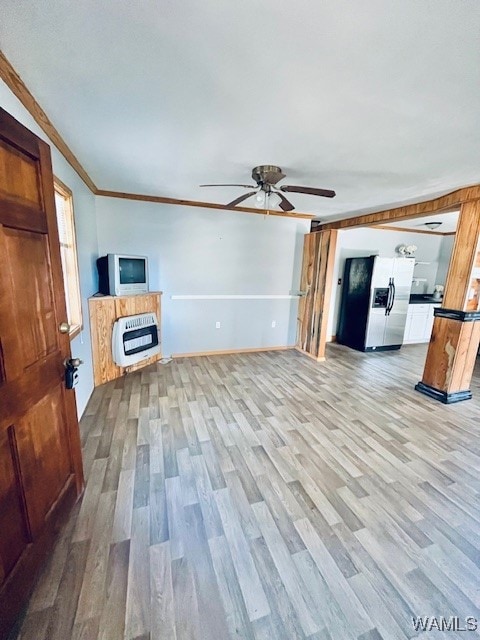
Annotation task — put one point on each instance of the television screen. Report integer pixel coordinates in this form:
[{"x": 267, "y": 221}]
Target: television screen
[{"x": 132, "y": 270}]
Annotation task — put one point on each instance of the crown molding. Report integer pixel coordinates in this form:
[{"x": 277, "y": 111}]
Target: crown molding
[
  {"x": 21, "y": 91},
  {"x": 200, "y": 204}
]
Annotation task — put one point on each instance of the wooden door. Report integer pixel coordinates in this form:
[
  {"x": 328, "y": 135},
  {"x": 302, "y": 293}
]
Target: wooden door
[{"x": 40, "y": 455}]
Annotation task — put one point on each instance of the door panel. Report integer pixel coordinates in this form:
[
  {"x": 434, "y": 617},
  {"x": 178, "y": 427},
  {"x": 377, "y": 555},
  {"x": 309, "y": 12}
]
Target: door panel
[
  {"x": 401, "y": 299},
  {"x": 397, "y": 318},
  {"x": 375, "y": 328},
  {"x": 381, "y": 275},
  {"x": 42, "y": 443},
  {"x": 395, "y": 328},
  {"x": 382, "y": 272},
  {"x": 18, "y": 176},
  {"x": 31, "y": 290},
  {"x": 13, "y": 538},
  {"x": 403, "y": 271},
  {"x": 40, "y": 454},
  {"x": 419, "y": 327},
  {"x": 3, "y": 375}
]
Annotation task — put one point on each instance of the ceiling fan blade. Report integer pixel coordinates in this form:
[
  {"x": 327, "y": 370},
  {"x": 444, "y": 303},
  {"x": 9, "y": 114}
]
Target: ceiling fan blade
[
  {"x": 245, "y": 186},
  {"x": 285, "y": 205},
  {"x": 234, "y": 203},
  {"x": 311, "y": 191}
]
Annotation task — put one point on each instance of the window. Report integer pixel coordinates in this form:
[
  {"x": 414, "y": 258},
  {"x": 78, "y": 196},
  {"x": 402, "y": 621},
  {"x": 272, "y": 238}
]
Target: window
[{"x": 68, "y": 252}]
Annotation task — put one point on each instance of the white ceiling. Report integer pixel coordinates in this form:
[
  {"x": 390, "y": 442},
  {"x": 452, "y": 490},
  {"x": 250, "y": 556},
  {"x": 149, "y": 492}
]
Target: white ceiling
[
  {"x": 449, "y": 223},
  {"x": 377, "y": 100}
]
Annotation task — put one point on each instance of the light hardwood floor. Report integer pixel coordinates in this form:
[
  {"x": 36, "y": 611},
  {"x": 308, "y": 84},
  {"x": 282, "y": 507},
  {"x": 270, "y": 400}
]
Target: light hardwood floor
[{"x": 266, "y": 496}]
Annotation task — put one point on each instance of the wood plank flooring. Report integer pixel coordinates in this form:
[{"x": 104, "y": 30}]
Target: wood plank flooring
[{"x": 266, "y": 497}]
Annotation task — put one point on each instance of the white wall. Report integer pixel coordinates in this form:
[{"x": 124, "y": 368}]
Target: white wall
[
  {"x": 446, "y": 249},
  {"x": 208, "y": 252},
  {"x": 191, "y": 252},
  {"x": 85, "y": 225},
  {"x": 366, "y": 242},
  {"x": 203, "y": 252}
]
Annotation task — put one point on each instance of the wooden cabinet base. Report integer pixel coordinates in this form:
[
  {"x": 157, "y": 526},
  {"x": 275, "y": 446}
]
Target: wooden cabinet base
[{"x": 104, "y": 311}]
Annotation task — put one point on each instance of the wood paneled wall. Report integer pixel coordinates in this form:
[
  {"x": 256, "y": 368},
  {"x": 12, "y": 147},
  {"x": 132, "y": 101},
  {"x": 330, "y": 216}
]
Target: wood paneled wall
[{"x": 316, "y": 281}]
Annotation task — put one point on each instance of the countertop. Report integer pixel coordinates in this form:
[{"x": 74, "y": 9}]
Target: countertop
[{"x": 425, "y": 298}]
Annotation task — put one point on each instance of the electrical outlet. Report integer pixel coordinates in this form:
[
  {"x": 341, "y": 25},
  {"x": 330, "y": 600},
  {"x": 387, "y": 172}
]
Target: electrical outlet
[
  {"x": 274, "y": 324},
  {"x": 217, "y": 325}
]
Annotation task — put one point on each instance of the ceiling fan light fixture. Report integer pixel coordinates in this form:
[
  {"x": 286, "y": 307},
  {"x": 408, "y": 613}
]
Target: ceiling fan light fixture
[
  {"x": 259, "y": 201},
  {"x": 272, "y": 201},
  {"x": 267, "y": 201},
  {"x": 432, "y": 225}
]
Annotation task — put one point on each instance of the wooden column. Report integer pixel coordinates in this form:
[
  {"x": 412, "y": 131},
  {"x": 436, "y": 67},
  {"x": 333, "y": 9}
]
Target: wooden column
[
  {"x": 456, "y": 330},
  {"x": 316, "y": 282}
]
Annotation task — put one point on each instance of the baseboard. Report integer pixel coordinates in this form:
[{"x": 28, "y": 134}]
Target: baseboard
[
  {"x": 227, "y": 352},
  {"x": 333, "y": 339},
  {"x": 443, "y": 396},
  {"x": 309, "y": 355}
]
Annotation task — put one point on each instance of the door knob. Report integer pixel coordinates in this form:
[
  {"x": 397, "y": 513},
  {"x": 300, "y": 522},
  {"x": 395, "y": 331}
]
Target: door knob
[
  {"x": 72, "y": 363},
  {"x": 71, "y": 371},
  {"x": 64, "y": 327}
]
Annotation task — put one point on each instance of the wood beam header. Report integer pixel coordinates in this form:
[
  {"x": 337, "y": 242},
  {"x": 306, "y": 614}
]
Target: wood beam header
[
  {"x": 442, "y": 204},
  {"x": 406, "y": 230}
]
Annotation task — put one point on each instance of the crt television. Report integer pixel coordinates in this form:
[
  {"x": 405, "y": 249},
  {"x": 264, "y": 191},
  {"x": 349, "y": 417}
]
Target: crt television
[{"x": 121, "y": 275}]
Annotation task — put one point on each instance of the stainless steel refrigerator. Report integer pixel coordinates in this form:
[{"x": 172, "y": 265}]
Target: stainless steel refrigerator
[{"x": 374, "y": 302}]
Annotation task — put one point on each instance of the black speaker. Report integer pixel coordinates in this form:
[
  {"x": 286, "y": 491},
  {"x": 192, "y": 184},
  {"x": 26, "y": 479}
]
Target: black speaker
[{"x": 103, "y": 280}]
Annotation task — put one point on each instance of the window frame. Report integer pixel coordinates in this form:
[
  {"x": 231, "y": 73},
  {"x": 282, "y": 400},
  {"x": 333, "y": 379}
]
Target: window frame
[{"x": 71, "y": 291}]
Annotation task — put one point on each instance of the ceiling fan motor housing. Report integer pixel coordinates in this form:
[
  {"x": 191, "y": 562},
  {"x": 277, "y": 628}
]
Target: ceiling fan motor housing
[{"x": 267, "y": 174}]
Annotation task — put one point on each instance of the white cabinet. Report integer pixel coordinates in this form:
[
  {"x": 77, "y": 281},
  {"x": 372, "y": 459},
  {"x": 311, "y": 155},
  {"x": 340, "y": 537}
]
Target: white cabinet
[
  {"x": 430, "y": 320},
  {"x": 418, "y": 327}
]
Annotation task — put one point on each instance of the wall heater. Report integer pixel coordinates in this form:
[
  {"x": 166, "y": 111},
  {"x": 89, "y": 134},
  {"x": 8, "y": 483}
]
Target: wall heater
[{"x": 135, "y": 338}]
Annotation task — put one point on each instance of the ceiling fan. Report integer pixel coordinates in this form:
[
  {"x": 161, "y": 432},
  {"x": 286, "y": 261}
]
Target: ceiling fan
[{"x": 267, "y": 194}]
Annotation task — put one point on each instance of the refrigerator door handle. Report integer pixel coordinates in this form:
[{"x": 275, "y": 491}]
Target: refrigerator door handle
[
  {"x": 392, "y": 300},
  {"x": 387, "y": 306}
]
